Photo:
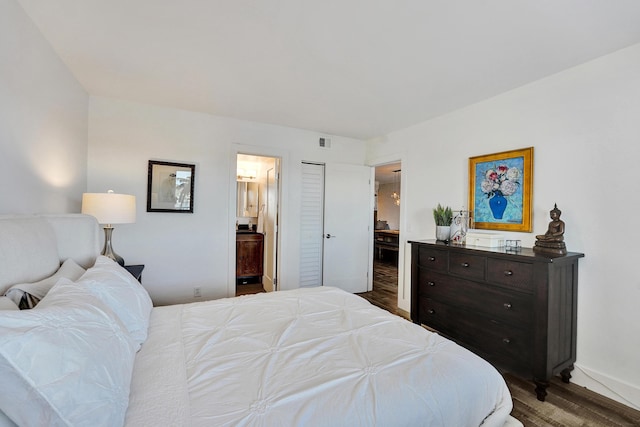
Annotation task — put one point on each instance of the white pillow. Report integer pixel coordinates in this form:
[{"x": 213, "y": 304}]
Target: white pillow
[
  {"x": 7, "y": 304},
  {"x": 66, "y": 362},
  {"x": 6, "y": 421},
  {"x": 36, "y": 291},
  {"x": 122, "y": 293}
]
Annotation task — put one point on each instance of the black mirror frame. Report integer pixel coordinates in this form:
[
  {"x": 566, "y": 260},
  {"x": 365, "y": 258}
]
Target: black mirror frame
[{"x": 169, "y": 171}]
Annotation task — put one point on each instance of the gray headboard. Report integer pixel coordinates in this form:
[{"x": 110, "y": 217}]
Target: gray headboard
[{"x": 33, "y": 246}]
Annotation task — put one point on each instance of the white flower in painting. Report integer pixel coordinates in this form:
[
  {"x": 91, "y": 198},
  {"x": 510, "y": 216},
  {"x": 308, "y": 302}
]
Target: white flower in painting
[
  {"x": 513, "y": 174},
  {"x": 487, "y": 186},
  {"x": 508, "y": 187},
  {"x": 501, "y": 180}
]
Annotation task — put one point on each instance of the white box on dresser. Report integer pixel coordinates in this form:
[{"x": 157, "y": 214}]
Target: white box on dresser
[{"x": 489, "y": 240}]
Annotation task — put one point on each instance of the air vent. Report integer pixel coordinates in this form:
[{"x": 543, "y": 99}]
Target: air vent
[{"x": 324, "y": 143}]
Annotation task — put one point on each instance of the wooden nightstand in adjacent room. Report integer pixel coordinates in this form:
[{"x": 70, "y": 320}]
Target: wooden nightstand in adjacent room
[{"x": 136, "y": 271}]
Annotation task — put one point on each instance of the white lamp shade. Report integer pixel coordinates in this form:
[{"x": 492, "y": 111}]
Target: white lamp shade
[{"x": 110, "y": 208}]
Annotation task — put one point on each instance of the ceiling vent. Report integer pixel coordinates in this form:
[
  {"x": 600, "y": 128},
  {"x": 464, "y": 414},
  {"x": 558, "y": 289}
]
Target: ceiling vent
[{"x": 324, "y": 143}]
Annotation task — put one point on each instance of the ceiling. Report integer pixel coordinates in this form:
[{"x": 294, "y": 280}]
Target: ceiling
[
  {"x": 357, "y": 68},
  {"x": 386, "y": 174}
]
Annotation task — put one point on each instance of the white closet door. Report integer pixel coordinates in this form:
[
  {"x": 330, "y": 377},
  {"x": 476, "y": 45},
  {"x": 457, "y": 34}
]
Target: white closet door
[
  {"x": 311, "y": 225},
  {"x": 347, "y": 212},
  {"x": 335, "y": 234}
]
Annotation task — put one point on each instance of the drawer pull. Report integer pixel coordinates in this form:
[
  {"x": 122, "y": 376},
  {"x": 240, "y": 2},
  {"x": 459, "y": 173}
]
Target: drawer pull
[
  {"x": 507, "y": 305},
  {"x": 465, "y": 264},
  {"x": 431, "y": 283},
  {"x": 508, "y": 273},
  {"x": 506, "y": 340},
  {"x": 431, "y": 258},
  {"x": 431, "y": 311}
]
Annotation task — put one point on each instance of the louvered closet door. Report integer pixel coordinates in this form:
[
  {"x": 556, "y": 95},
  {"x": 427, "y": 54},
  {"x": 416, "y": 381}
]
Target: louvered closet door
[
  {"x": 335, "y": 233},
  {"x": 311, "y": 225}
]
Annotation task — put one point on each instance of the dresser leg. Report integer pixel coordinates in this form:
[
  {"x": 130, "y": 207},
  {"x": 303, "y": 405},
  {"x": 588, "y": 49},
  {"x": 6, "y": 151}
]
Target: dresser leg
[
  {"x": 566, "y": 374},
  {"x": 541, "y": 389}
]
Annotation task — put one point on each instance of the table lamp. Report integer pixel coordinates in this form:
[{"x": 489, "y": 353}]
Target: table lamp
[{"x": 110, "y": 208}]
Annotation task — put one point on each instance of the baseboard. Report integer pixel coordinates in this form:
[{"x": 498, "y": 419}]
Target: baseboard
[{"x": 613, "y": 388}]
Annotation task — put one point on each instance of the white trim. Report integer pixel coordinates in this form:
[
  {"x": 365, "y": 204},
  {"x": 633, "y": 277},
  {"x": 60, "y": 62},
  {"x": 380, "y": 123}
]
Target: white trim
[
  {"x": 404, "y": 278},
  {"x": 256, "y": 150},
  {"x": 613, "y": 388},
  {"x": 372, "y": 195}
]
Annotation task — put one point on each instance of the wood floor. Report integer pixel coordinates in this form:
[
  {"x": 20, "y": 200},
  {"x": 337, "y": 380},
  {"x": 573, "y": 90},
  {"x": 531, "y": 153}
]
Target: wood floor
[
  {"x": 385, "y": 287},
  {"x": 566, "y": 405},
  {"x": 250, "y": 288}
]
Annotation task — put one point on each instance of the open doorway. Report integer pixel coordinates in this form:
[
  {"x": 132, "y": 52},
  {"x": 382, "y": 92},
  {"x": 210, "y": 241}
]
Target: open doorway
[
  {"x": 257, "y": 204},
  {"x": 386, "y": 214}
]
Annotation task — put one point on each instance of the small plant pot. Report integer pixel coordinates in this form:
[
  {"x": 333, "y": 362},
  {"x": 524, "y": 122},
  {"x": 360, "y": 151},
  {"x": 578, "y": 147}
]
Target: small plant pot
[{"x": 443, "y": 233}]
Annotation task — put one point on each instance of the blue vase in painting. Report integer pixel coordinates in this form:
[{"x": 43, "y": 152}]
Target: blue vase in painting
[{"x": 498, "y": 204}]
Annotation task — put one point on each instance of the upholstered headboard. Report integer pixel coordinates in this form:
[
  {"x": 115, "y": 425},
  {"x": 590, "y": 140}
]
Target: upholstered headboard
[{"x": 33, "y": 246}]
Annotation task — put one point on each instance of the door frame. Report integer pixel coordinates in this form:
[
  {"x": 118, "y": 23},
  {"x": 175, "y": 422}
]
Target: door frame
[
  {"x": 404, "y": 255},
  {"x": 254, "y": 150}
]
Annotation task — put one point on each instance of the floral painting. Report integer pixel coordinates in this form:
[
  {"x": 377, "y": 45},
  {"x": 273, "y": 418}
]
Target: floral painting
[{"x": 500, "y": 190}]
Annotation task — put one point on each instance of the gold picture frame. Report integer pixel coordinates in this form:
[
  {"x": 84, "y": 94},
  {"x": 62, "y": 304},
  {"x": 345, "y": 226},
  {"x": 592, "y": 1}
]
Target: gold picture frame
[{"x": 501, "y": 190}]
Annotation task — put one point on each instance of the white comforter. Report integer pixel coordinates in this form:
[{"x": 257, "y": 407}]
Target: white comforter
[{"x": 308, "y": 357}]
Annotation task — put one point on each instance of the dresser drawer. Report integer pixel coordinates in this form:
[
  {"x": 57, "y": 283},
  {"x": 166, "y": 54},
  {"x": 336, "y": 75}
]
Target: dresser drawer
[
  {"x": 436, "y": 315},
  {"x": 508, "y": 345},
  {"x": 491, "y": 301},
  {"x": 467, "y": 265},
  {"x": 486, "y": 336},
  {"x": 510, "y": 273},
  {"x": 432, "y": 259}
]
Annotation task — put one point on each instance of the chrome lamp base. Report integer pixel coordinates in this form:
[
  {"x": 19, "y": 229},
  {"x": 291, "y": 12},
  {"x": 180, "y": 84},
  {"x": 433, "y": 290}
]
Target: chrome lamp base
[{"x": 108, "y": 249}]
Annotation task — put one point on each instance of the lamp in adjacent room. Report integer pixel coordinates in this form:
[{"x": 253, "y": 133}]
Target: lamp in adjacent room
[
  {"x": 110, "y": 208},
  {"x": 396, "y": 187}
]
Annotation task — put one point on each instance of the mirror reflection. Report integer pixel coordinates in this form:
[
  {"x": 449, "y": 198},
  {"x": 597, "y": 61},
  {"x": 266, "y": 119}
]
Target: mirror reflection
[{"x": 247, "y": 199}]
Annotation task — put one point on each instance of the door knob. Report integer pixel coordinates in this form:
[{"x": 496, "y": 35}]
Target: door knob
[{"x": 328, "y": 236}]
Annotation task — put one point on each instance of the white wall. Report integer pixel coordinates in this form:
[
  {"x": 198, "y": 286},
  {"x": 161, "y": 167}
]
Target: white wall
[
  {"x": 43, "y": 122},
  {"x": 585, "y": 127},
  {"x": 387, "y": 208},
  {"x": 183, "y": 251}
]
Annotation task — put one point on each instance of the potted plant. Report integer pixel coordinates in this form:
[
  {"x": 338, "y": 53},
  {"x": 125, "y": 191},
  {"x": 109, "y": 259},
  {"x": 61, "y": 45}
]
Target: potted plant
[{"x": 443, "y": 215}]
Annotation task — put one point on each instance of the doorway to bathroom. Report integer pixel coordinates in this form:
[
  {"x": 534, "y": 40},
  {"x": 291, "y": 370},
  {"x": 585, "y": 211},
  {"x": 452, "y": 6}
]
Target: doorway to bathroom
[{"x": 257, "y": 206}]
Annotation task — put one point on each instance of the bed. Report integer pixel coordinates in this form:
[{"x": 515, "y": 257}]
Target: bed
[{"x": 93, "y": 351}]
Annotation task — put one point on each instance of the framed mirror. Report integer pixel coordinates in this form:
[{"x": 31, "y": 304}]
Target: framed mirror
[
  {"x": 170, "y": 187},
  {"x": 247, "y": 199}
]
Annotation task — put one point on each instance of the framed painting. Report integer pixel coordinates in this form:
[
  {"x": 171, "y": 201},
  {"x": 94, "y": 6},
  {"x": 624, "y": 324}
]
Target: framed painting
[
  {"x": 501, "y": 190},
  {"x": 170, "y": 187}
]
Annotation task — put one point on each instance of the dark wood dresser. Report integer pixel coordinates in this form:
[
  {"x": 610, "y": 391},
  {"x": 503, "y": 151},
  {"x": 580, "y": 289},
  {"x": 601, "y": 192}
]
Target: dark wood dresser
[
  {"x": 517, "y": 310},
  {"x": 249, "y": 257}
]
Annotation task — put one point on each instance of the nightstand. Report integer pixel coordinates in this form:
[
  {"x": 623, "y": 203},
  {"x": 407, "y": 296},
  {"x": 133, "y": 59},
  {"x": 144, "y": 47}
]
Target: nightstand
[{"x": 136, "y": 271}]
